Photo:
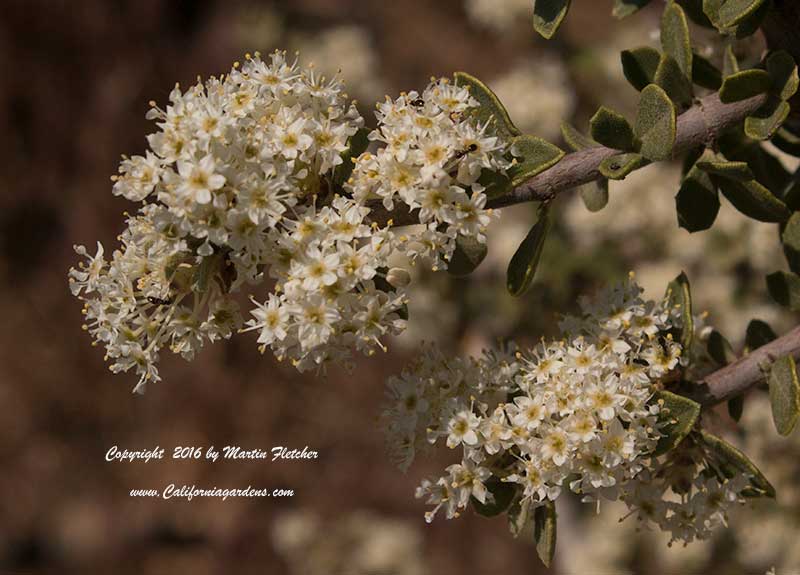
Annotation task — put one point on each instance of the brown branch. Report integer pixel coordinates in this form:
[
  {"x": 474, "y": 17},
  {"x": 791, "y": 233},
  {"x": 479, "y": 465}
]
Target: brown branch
[
  {"x": 744, "y": 373},
  {"x": 699, "y": 125}
]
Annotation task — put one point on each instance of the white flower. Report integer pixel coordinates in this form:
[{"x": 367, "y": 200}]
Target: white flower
[
  {"x": 271, "y": 318},
  {"x": 199, "y": 179},
  {"x": 315, "y": 318},
  {"x": 462, "y": 428}
]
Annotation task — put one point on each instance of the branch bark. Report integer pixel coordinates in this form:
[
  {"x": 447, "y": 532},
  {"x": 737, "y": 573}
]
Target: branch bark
[
  {"x": 744, "y": 373},
  {"x": 701, "y": 124}
]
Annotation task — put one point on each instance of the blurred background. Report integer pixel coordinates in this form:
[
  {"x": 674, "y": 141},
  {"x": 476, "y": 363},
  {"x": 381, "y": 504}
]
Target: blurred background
[{"x": 76, "y": 79}]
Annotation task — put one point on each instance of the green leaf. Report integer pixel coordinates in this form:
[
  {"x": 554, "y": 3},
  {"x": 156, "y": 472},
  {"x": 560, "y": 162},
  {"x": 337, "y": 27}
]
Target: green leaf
[
  {"x": 787, "y": 142},
  {"x": 496, "y": 184},
  {"x": 720, "y": 349},
  {"x": 534, "y": 155},
  {"x": 544, "y": 531},
  {"x": 356, "y": 146},
  {"x": 790, "y": 236},
  {"x": 519, "y": 516},
  {"x": 758, "y": 333},
  {"x": 691, "y": 157},
  {"x": 768, "y": 170},
  {"x": 784, "y": 394},
  {"x": 751, "y": 24},
  {"x": 639, "y": 66},
  {"x": 791, "y": 196},
  {"x": 595, "y": 195},
  {"x": 730, "y": 65},
  {"x": 697, "y": 201},
  {"x": 679, "y": 296},
  {"x": 548, "y": 15},
  {"x": 752, "y": 199},
  {"x": 782, "y": 68},
  {"x": 208, "y": 267},
  {"x": 791, "y": 233},
  {"x": 734, "y": 12},
  {"x": 739, "y": 17},
  {"x": 503, "y": 494},
  {"x": 705, "y": 74},
  {"x": 677, "y": 417},
  {"x": 784, "y": 287},
  {"x": 694, "y": 10},
  {"x": 738, "y": 171},
  {"x": 522, "y": 267},
  {"x": 619, "y": 166},
  {"x": 612, "y": 130},
  {"x": 624, "y": 8},
  {"x": 763, "y": 124},
  {"x": 468, "y": 255},
  {"x": 675, "y": 83},
  {"x": 675, "y": 37},
  {"x": 655, "y": 124},
  {"x": 575, "y": 139},
  {"x": 744, "y": 84},
  {"x": 736, "y": 407},
  {"x": 489, "y": 107},
  {"x": 731, "y": 460}
]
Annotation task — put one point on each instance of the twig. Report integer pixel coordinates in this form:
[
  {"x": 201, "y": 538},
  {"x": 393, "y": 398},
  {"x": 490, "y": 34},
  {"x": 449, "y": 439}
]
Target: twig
[
  {"x": 701, "y": 124},
  {"x": 744, "y": 373}
]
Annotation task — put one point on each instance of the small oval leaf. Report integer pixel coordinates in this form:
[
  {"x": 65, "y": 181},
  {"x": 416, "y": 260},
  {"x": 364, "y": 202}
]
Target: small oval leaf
[
  {"x": 732, "y": 460},
  {"x": 697, "y": 201},
  {"x": 595, "y": 195},
  {"x": 502, "y": 494},
  {"x": 734, "y": 12},
  {"x": 720, "y": 349},
  {"x": 675, "y": 37},
  {"x": 655, "y": 124},
  {"x": 612, "y": 130},
  {"x": 744, "y": 84},
  {"x": 767, "y": 119},
  {"x": 355, "y": 147},
  {"x": 679, "y": 297},
  {"x": 467, "y": 256},
  {"x": 639, "y": 66},
  {"x": 676, "y": 84},
  {"x": 522, "y": 267},
  {"x": 752, "y": 199},
  {"x": 548, "y": 15},
  {"x": 618, "y": 167},
  {"x": 784, "y": 394},
  {"x": 782, "y": 68},
  {"x": 489, "y": 107},
  {"x": 534, "y": 155},
  {"x": 544, "y": 531},
  {"x": 624, "y": 8},
  {"x": 758, "y": 333},
  {"x": 739, "y": 171},
  {"x": 784, "y": 287},
  {"x": 736, "y": 407},
  {"x": 705, "y": 74},
  {"x": 575, "y": 139},
  {"x": 677, "y": 418}
]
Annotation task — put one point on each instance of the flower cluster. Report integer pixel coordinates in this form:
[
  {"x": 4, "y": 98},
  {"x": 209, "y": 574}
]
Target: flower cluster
[
  {"x": 243, "y": 182},
  {"x": 684, "y": 494},
  {"x": 431, "y": 157},
  {"x": 572, "y": 413}
]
